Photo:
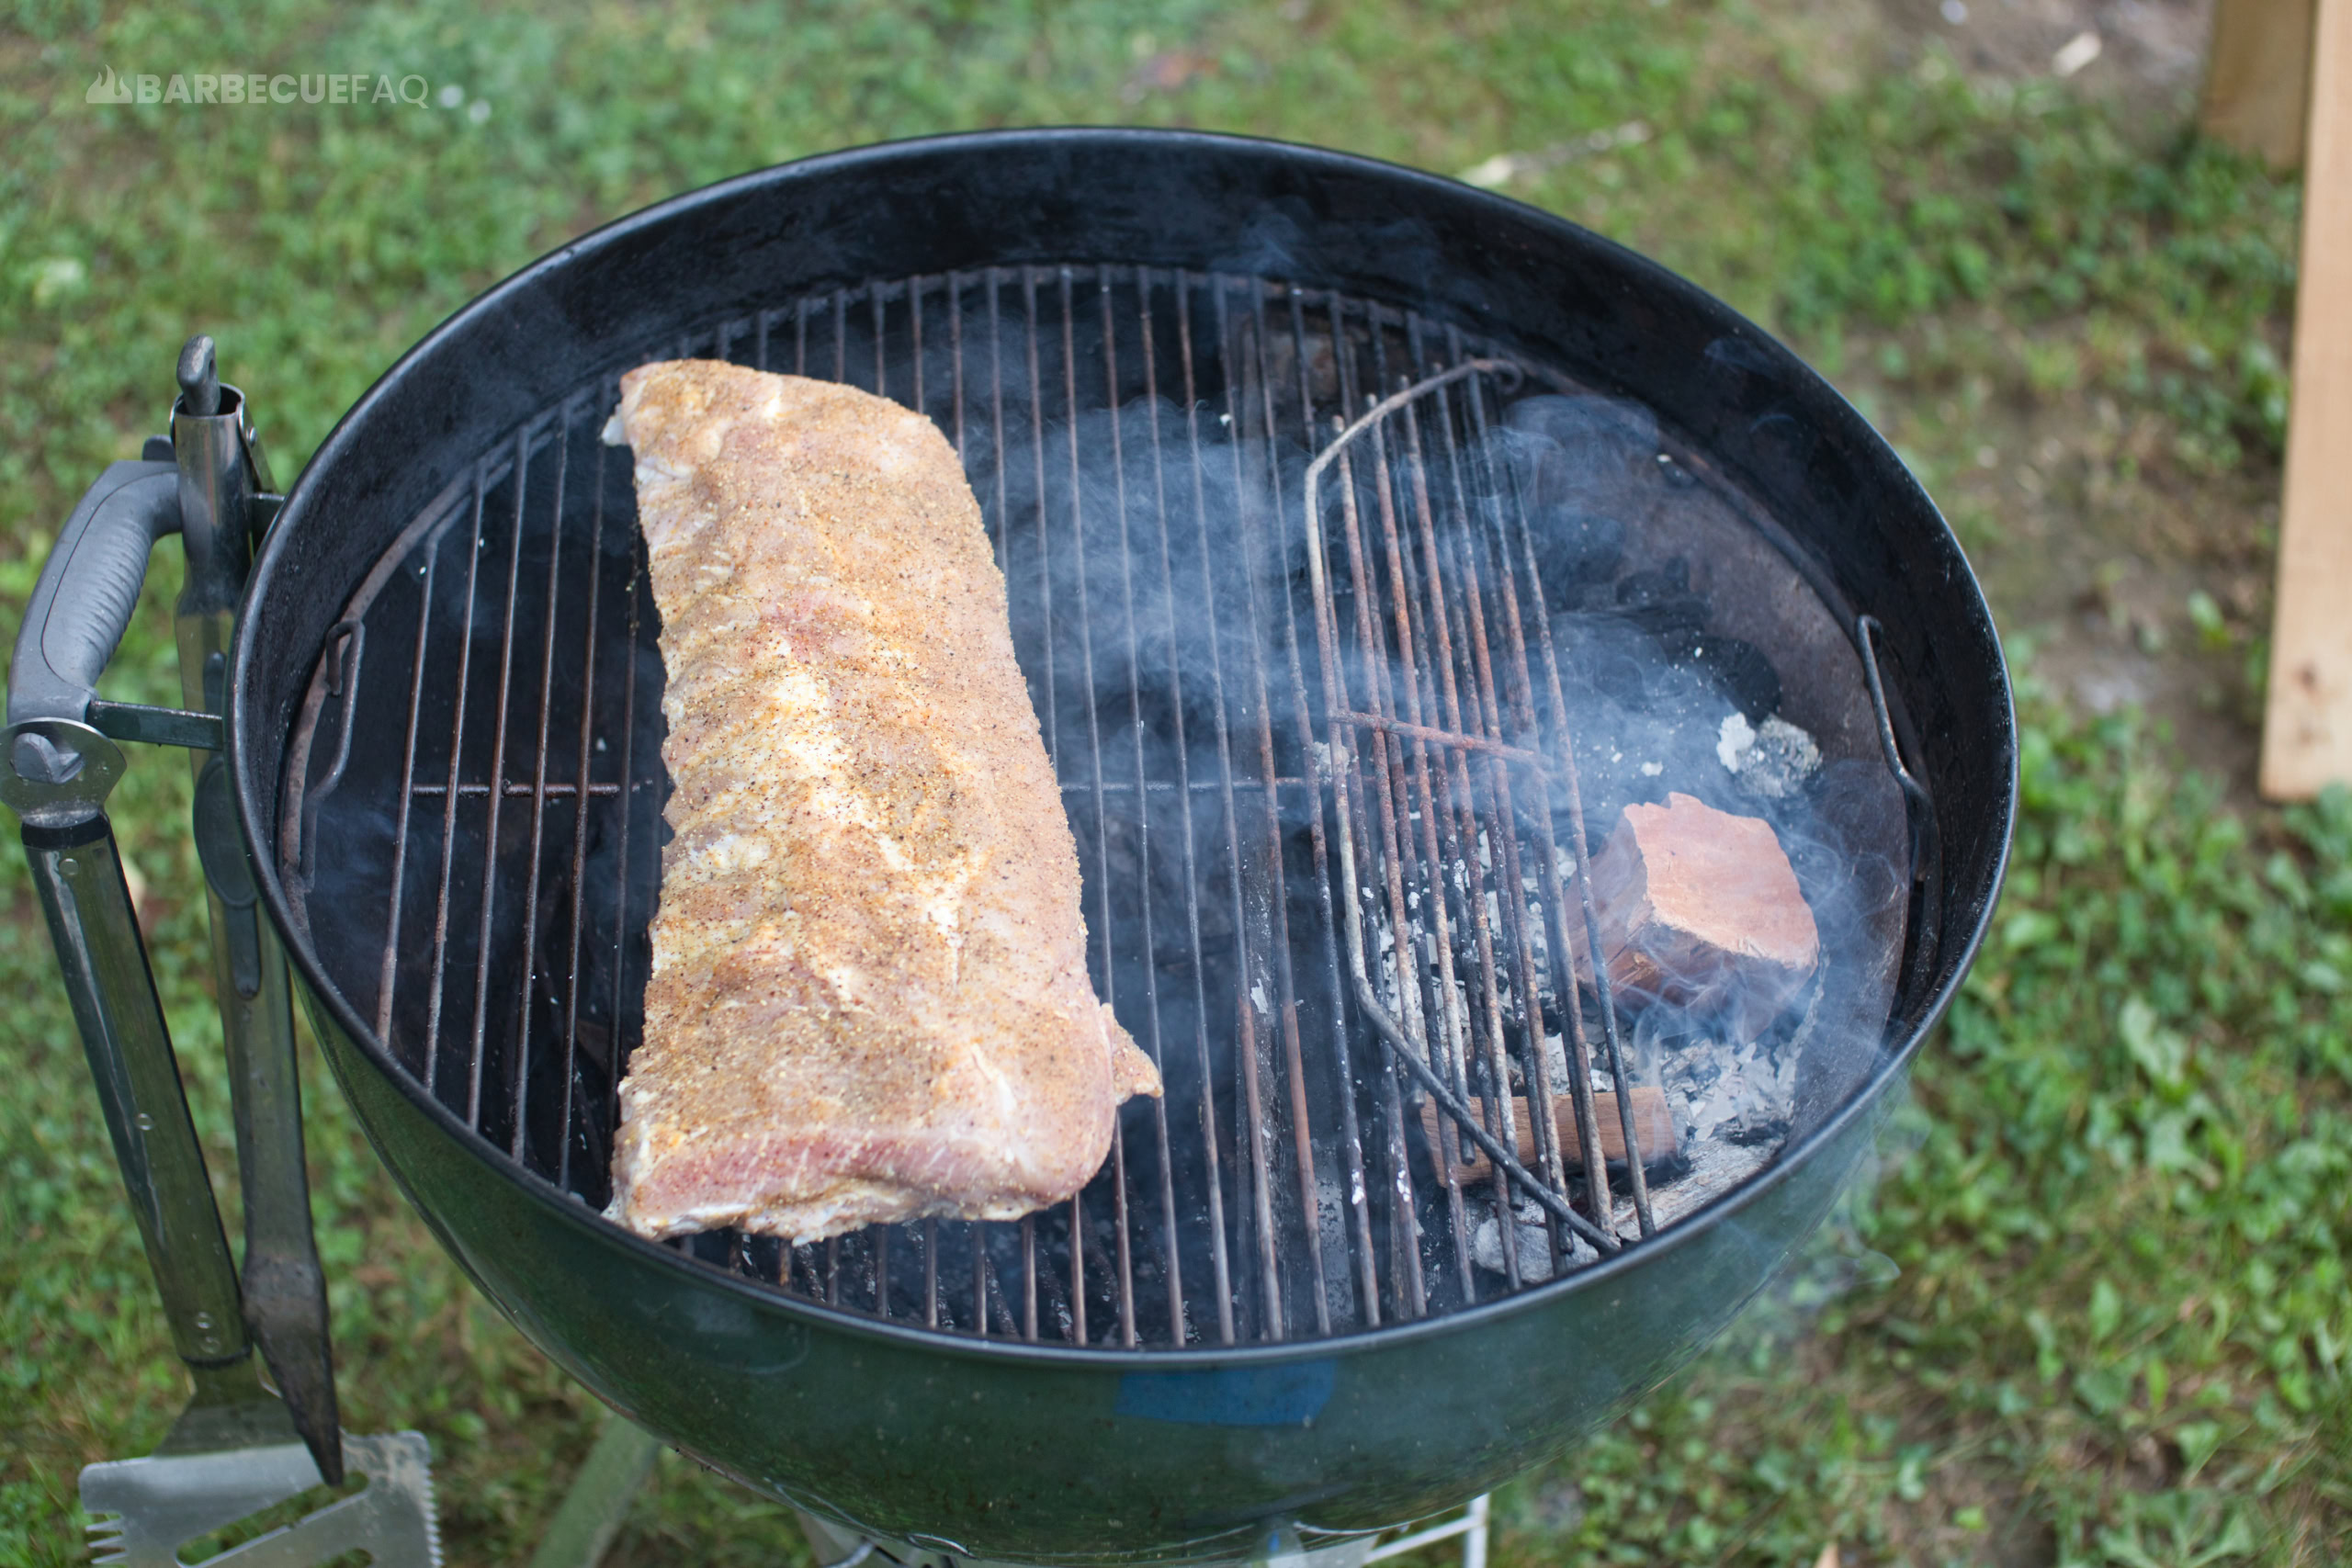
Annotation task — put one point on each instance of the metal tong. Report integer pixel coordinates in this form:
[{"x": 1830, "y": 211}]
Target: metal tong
[{"x": 238, "y": 1446}]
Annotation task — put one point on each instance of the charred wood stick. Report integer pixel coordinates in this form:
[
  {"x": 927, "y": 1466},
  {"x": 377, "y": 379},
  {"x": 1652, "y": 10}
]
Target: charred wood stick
[{"x": 1653, "y": 1128}]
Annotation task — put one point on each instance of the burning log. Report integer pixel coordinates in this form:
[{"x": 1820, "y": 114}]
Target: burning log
[
  {"x": 1653, "y": 1130},
  {"x": 1701, "y": 909}
]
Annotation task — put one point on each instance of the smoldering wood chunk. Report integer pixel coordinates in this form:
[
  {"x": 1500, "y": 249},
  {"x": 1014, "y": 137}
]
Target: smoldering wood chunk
[
  {"x": 1653, "y": 1130},
  {"x": 1699, "y": 908}
]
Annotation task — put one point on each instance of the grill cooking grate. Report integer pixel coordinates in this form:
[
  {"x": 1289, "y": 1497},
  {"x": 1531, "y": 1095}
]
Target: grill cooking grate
[{"x": 1292, "y": 746}]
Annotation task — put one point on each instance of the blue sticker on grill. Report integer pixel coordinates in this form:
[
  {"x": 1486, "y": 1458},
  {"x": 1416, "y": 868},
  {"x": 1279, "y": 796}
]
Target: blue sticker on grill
[{"x": 1289, "y": 1395}]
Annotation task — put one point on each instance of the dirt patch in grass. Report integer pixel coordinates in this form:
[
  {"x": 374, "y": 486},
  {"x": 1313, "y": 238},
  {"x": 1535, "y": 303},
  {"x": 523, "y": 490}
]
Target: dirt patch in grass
[{"x": 2136, "y": 584}]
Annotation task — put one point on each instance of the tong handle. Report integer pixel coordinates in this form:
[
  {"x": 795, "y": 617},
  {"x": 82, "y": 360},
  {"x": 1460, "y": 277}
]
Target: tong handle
[
  {"x": 78, "y": 873},
  {"x": 82, "y": 602}
]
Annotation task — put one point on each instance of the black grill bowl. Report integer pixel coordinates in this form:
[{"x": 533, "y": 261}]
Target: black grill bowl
[{"x": 1032, "y": 1451}]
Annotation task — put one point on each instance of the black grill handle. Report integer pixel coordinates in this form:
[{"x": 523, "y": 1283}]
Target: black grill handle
[{"x": 83, "y": 603}]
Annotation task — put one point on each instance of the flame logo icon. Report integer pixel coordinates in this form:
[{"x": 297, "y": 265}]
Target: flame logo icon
[{"x": 108, "y": 89}]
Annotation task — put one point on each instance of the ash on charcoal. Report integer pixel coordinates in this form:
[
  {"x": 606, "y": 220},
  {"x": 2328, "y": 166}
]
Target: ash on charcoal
[
  {"x": 1770, "y": 761},
  {"x": 1532, "y": 1241},
  {"x": 1733, "y": 1103},
  {"x": 1731, "y": 1093},
  {"x": 1715, "y": 1169},
  {"x": 1728, "y": 1091}
]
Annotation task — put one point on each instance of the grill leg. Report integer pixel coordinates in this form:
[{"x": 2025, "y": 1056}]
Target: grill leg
[
  {"x": 1471, "y": 1526},
  {"x": 592, "y": 1512}
]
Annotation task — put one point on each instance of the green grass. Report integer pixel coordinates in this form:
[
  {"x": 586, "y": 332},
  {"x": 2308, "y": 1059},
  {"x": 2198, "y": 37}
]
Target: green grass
[{"x": 2094, "y": 1311}]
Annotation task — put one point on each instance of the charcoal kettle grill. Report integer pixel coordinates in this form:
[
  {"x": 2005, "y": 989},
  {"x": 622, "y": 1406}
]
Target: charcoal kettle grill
[{"x": 1301, "y": 617}]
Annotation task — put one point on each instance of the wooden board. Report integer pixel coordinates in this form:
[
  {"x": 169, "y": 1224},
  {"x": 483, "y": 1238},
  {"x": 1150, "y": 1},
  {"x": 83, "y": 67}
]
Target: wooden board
[
  {"x": 1653, "y": 1129},
  {"x": 2307, "y": 731},
  {"x": 2258, "y": 77}
]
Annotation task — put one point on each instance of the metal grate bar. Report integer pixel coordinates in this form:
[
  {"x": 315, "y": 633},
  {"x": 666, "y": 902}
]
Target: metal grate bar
[
  {"x": 1407, "y": 1291},
  {"x": 1052, "y": 707},
  {"x": 588, "y": 666},
  {"x": 1172, "y": 1261},
  {"x": 931, "y": 1273},
  {"x": 1002, "y": 516},
  {"x": 914, "y": 331},
  {"x": 639, "y": 587},
  {"x": 1248, "y": 1002},
  {"x": 1099, "y": 938},
  {"x": 400, "y": 822},
  {"x": 497, "y": 771},
  {"x": 1220, "y": 1264},
  {"x": 539, "y": 793},
  {"x": 1143, "y": 844},
  {"x": 955, "y": 360},
  {"x": 981, "y": 1281},
  {"x": 437, "y": 983},
  {"x": 983, "y": 1270},
  {"x": 1029, "y": 1277}
]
